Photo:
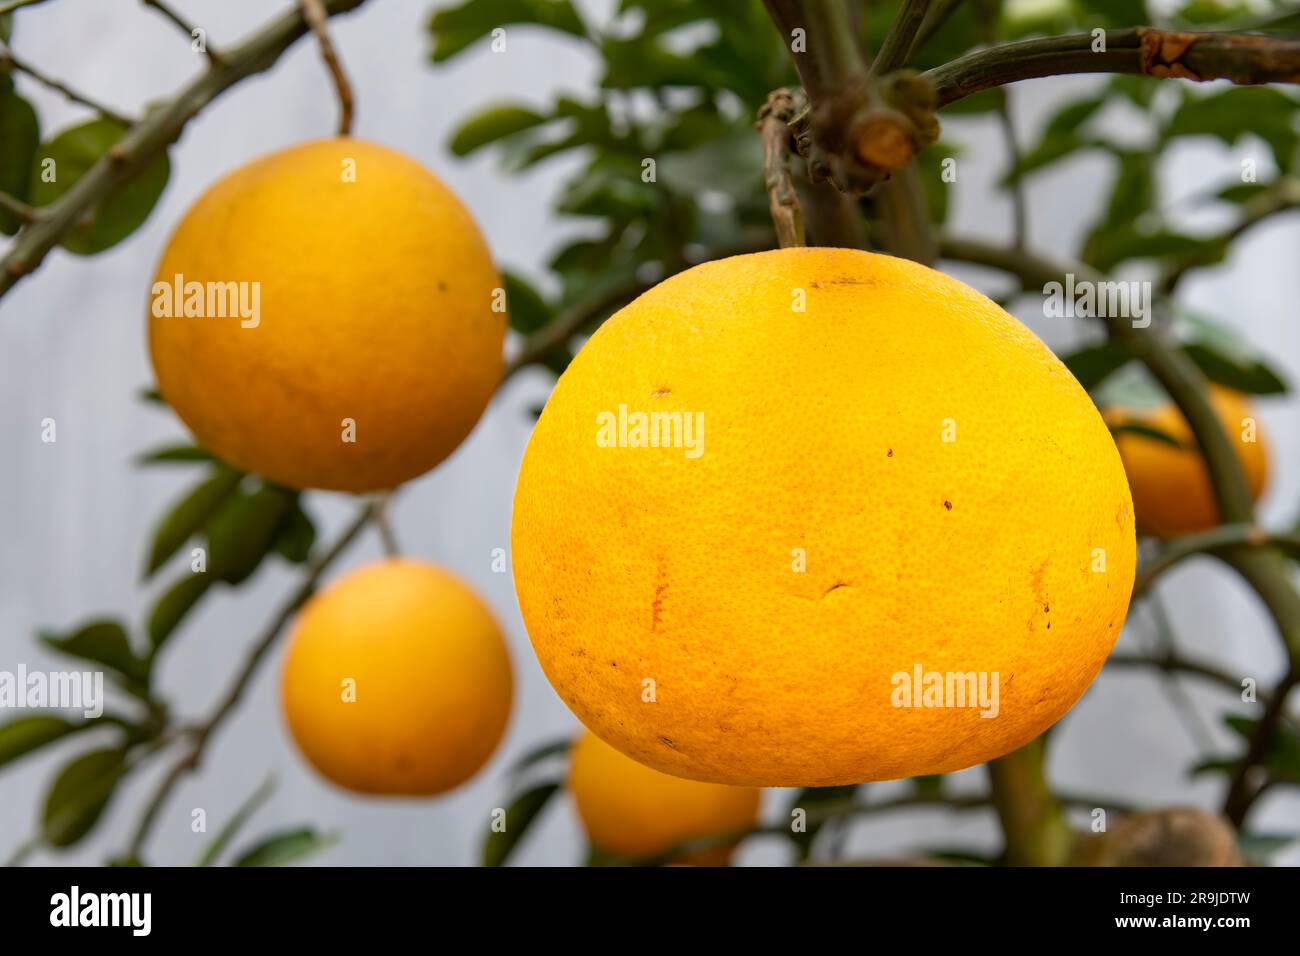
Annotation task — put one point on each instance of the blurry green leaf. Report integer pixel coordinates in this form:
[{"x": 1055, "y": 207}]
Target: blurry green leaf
[
  {"x": 104, "y": 642},
  {"x": 152, "y": 396},
  {"x": 174, "y": 603},
  {"x": 1060, "y": 137},
  {"x": 546, "y": 751},
  {"x": 243, "y": 531},
  {"x": 937, "y": 192},
  {"x": 1145, "y": 431},
  {"x": 174, "y": 454},
  {"x": 287, "y": 846},
  {"x": 296, "y": 535},
  {"x": 1225, "y": 357},
  {"x": 1112, "y": 13},
  {"x": 20, "y": 136},
  {"x": 520, "y": 815},
  {"x": 1282, "y": 760},
  {"x": 192, "y": 513},
  {"x": 929, "y": 786},
  {"x": 492, "y": 124},
  {"x": 24, "y": 734},
  {"x": 126, "y": 206},
  {"x": 79, "y": 795},
  {"x": 1093, "y": 364},
  {"x": 1260, "y": 848},
  {"x": 1106, "y": 250},
  {"x": 1241, "y": 193},
  {"x": 241, "y": 816},
  {"x": 528, "y": 311},
  {"x": 1132, "y": 193},
  {"x": 455, "y": 28},
  {"x": 1239, "y": 111}
]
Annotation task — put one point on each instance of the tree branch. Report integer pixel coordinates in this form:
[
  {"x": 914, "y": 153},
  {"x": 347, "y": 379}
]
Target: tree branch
[
  {"x": 149, "y": 137},
  {"x": 1245, "y": 59},
  {"x": 897, "y": 45},
  {"x": 18, "y": 209},
  {"x": 1033, "y": 820},
  {"x": 783, "y": 201}
]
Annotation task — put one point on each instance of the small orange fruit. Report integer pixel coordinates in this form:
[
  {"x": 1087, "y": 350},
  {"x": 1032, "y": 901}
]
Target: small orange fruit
[
  {"x": 397, "y": 680},
  {"x": 635, "y": 813},
  {"x": 1171, "y": 487},
  {"x": 324, "y": 316}
]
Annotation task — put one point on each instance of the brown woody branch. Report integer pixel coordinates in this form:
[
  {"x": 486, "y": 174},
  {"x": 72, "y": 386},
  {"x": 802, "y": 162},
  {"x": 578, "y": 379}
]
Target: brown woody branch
[
  {"x": 774, "y": 131},
  {"x": 314, "y": 12},
  {"x": 1246, "y": 59}
]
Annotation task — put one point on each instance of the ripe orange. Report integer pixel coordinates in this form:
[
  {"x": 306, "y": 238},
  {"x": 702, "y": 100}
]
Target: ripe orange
[
  {"x": 1171, "y": 486},
  {"x": 899, "y": 477},
  {"x": 635, "y": 813},
  {"x": 368, "y": 299},
  {"x": 425, "y": 667}
]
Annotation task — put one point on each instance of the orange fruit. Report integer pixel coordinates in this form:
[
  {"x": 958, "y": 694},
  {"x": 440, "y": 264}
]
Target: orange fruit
[
  {"x": 359, "y": 344},
  {"x": 886, "y": 478},
  {"x": 397, "y": 680},
  {"x": 1172, "y": 494},
  {"x": 635, "y": 813}
]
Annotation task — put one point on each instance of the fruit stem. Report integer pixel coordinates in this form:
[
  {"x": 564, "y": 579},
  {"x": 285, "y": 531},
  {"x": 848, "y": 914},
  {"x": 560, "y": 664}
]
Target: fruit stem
[{"x": 1033, "y": 821}]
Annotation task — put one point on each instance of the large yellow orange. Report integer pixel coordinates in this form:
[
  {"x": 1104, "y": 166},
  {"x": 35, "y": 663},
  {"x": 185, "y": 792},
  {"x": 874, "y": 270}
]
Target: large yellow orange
[
  {"x": 899, "y": 475},
  {"x": 374, "y": 306},
  {"x": 635, "y": 813},
  {"x": 397, "y": 680},
  {"x": 1171, "y": 486}
]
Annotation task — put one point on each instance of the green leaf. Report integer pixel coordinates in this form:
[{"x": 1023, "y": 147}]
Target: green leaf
[
  {"x": 192, "y": 513},
  {"x": 1060, "y": 137},
  {"x": 287, "y": 846},
  {"x": 79, "y": 794},
  {"x": 104, "y": 642},
  {"x": 126, "y": 206},
  {"x": 174, "y": 454},
  {"x": 24, "y": 734},
  {"x": 1225, "y": 357},
  {"x": 1260, "y": 848},
  {"x": 20, "y": 135},
  {"x": 1145, "y": 431},
  {"x": 1132, "y": 193},
  {"x": 520, "y": 815},
  {"x": 546, "y": 751},
  {"x": 244, "y": 531},
  {"x": 455, "y": 28},
  {"x": 1263, "y": 111},
  {"x": 296, "y": 535},
  {"x": 174, "y": 603},
  {"x": 492, "y": 124},
  {"x": 528, "y": 311},
  {"x": 227, "y": 833},
  {"x": 1093, "y": 364}
]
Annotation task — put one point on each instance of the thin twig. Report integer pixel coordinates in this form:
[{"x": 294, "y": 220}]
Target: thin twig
[
  {"x": 185, "y": 26},
  {"x": 1212, "y": 542},
  {"x": 774, "y": 129},
  {"x": 149, "y": 137},
  {"x": 897, "y": 45},
  {"x": 17, "y": 208},
  {"x": 314, "y": 12},
  {"x": 202, "y": 734},
  {"x": 22, "y": 66},
  {"x": 935, "y": 18},
  {"x": 384, "y": 526}
]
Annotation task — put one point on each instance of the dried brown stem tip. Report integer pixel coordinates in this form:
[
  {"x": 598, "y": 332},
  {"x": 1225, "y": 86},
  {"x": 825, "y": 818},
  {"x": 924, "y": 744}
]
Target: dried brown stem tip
[
  {"x": 774, "y": 126},
  {"x": 1243, "y": 59}
]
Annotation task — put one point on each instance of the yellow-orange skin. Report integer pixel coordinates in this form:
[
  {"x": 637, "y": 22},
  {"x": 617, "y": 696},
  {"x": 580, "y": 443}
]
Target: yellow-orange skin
[
  {"x": 430, "y": 672},
  {"x": 1172, "y": 494},
  {"x": 635, "y": 813},
  {"x": 376, "y": 307},
  {"x": 663, "y": 594}
]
